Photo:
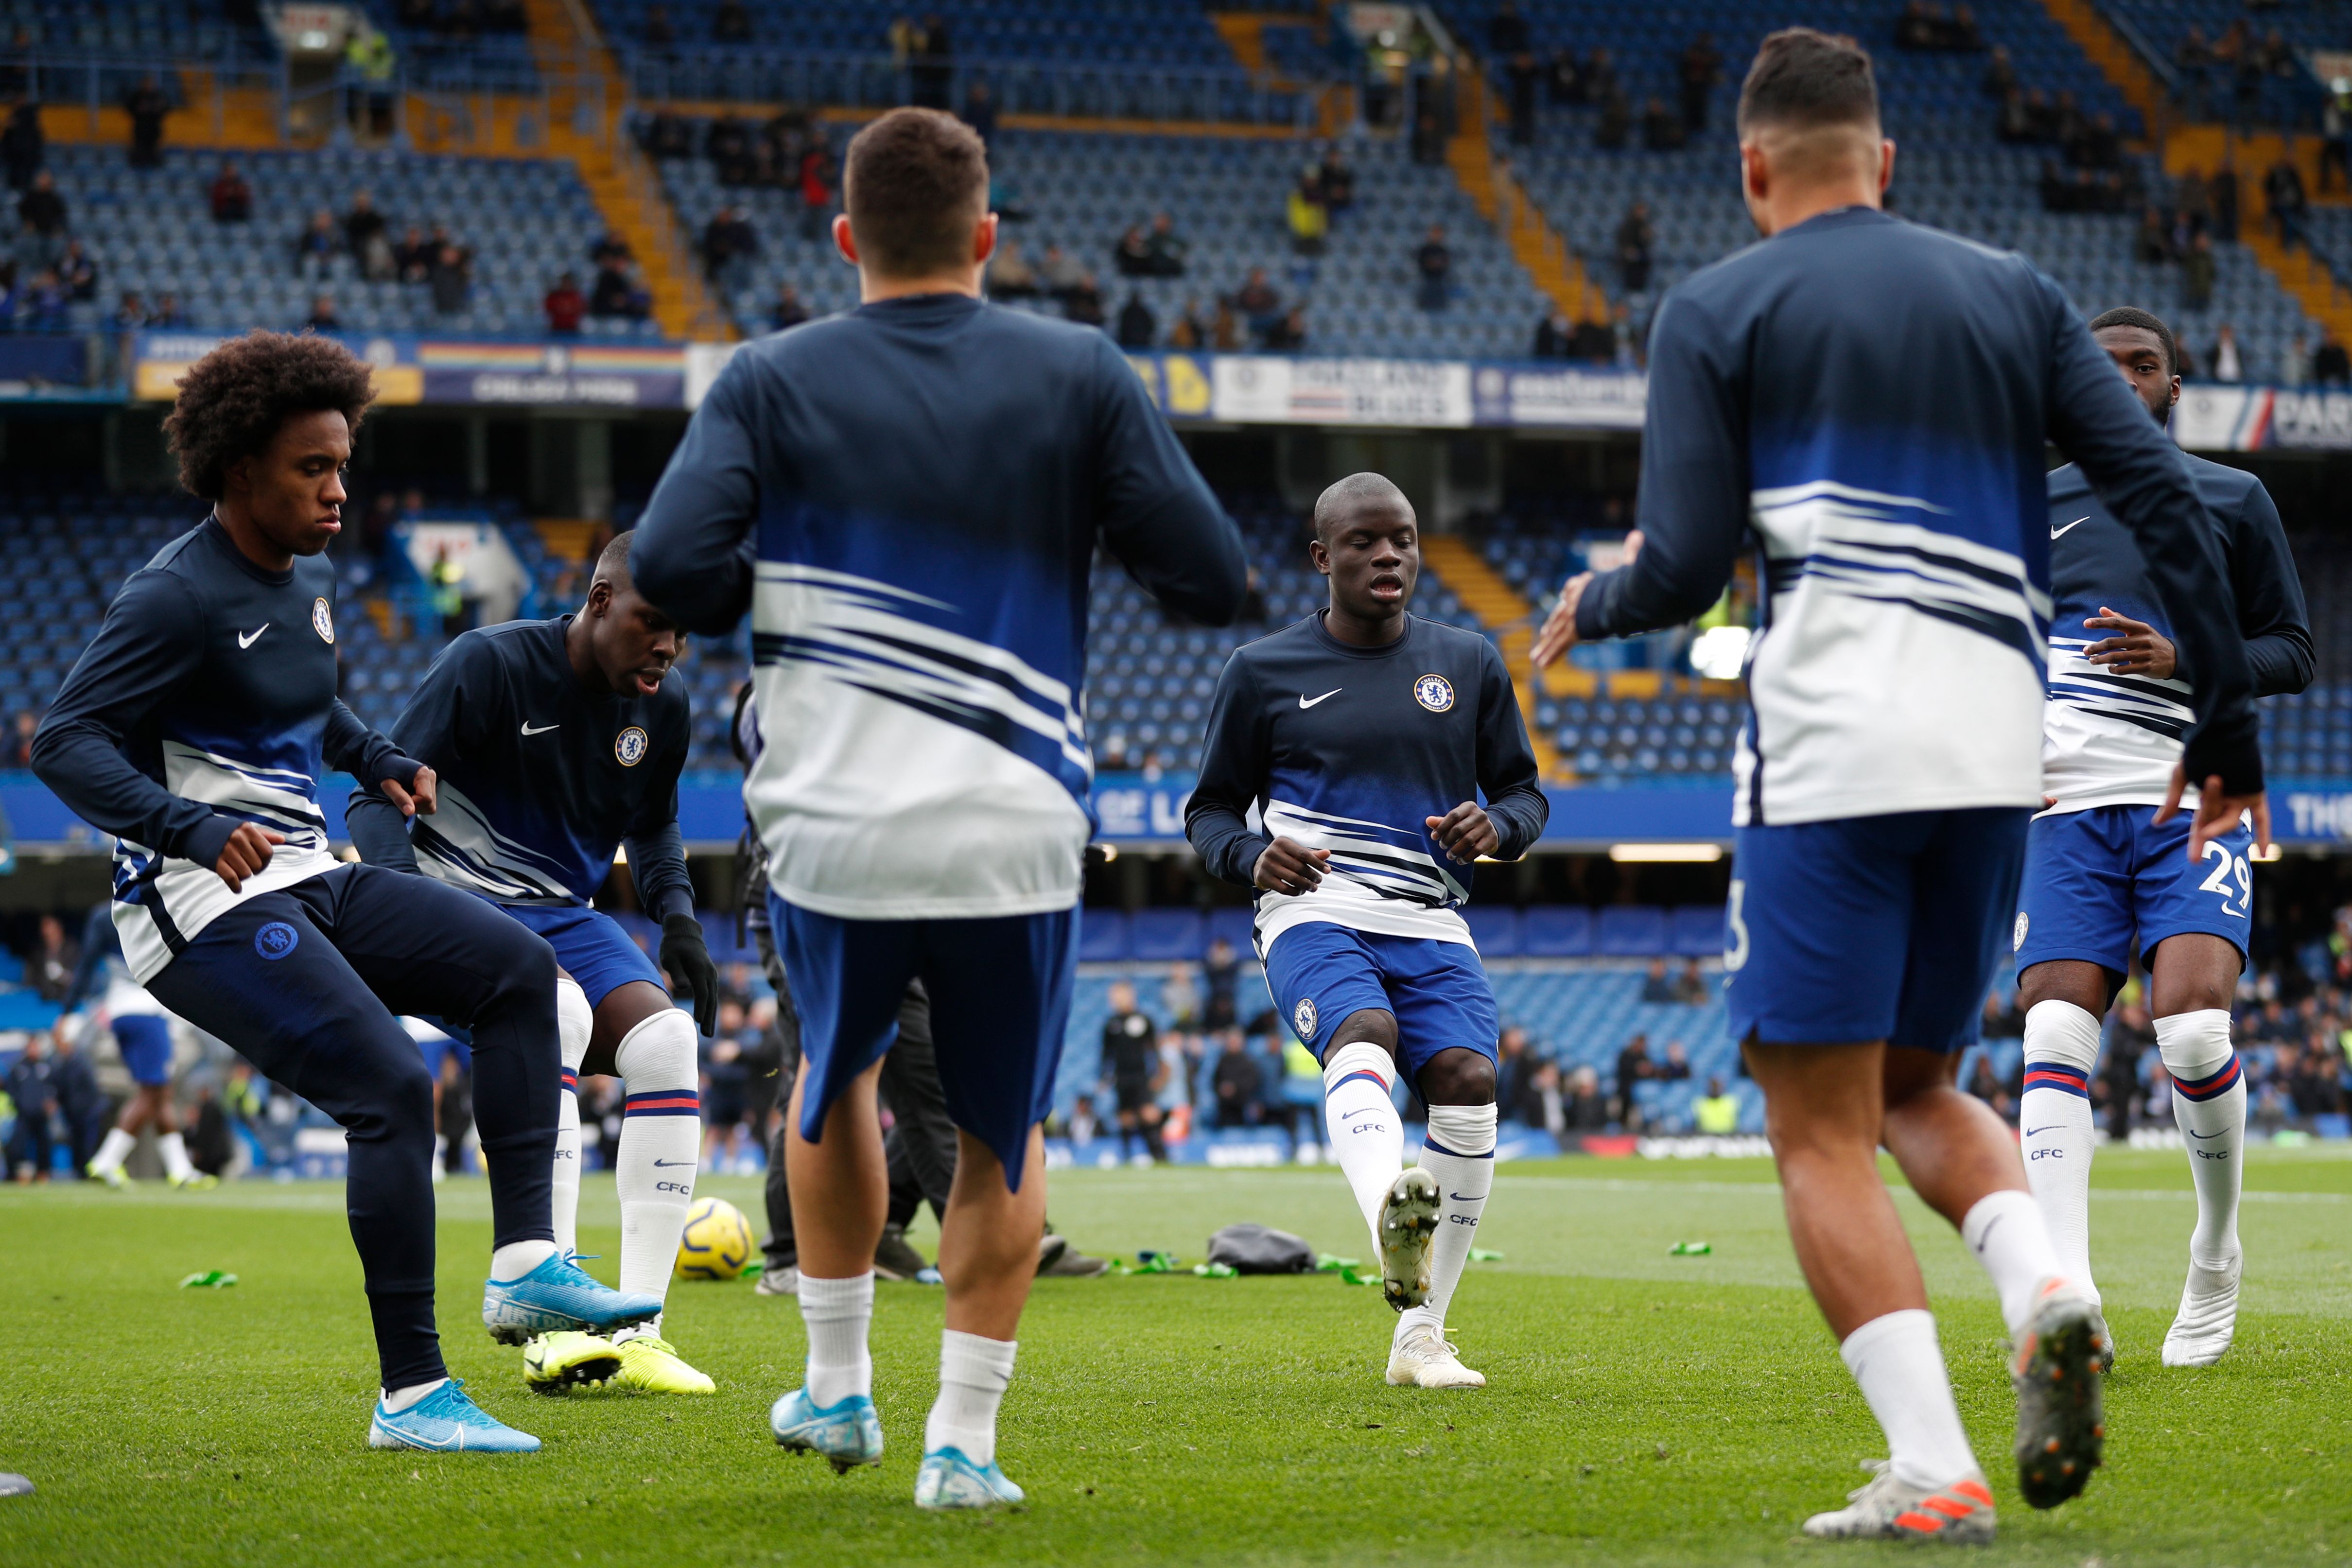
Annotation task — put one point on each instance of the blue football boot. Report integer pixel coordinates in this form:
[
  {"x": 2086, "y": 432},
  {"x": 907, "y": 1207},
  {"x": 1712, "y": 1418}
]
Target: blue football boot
[
  {"x": 847, "y": 1433},
  {"x": 556, "y": 1296},
  {"x": 445, "y": 1422},
  {"x": 948, "y": 1479}
]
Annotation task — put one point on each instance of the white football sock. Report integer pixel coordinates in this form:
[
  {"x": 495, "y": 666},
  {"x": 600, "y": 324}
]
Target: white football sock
[
  {"x": 2055, "y": 1128},
  {"x": 838, "y": 1313},
  {"x": 517, "y": 1258},
  {"x": 396, "y": 1400},
  {"x": 1460, "y": 1153},
  {"x": 573, "y": 1024},
  {"x": 2011, "y": 1239},
  {"x": 2208, "y": 1102},
  {"x": 661, "y": 1134},
  {"x": 174, "y": 1149},
  {"x": 973, "y": 1373},
  {"x": 1900, "y": 1367},
  {"x": 1362, "y": 1124},
  {"x": 114, "y": 1150}
]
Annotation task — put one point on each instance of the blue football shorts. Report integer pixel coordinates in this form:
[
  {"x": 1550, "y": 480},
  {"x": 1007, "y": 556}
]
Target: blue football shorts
[
  {"x": 145, "y": 1039},
  {"x": 590, "y": 946},
  {"x": 1871, "y": 928},
  {"x": 999, "y": 989},
  {"x": 1320, "y": 972},
  {"x": 2104, "y": 884}
]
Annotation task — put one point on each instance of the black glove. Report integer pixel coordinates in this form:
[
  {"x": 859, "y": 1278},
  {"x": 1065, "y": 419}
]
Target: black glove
[{"x": 692, "y": 976}]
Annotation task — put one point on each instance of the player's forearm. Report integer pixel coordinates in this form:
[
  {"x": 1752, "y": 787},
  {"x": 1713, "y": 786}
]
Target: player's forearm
[
  {"x": 1192, "y": 561},
  {"x": 379, "y": 832},
  {"x": 1224, "y": 840},
  {"x": 1519, "y": 814},
  {"x": 2282, "y": 663},
  {"x": 1647, "y": 596},
  {"x": 693, "y": 557},
  {"x": 349, "y": 745},
  {"x": 82, "y": 763},
  {"x": 657, "y": 865}
]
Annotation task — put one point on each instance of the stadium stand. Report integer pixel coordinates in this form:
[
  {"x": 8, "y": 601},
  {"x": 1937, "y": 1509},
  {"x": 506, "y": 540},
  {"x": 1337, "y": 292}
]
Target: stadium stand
[
  {"x": 1951, "y": 169},
  {"x": 521, "y": 222},
  {"x": 1227, "y": 197},
  {"x": 2225, "y": 60},
  {"x": 146, "y": 30}
]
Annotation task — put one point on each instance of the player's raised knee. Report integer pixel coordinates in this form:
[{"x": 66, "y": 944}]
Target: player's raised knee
[{"x": 1458, "y": 1076}]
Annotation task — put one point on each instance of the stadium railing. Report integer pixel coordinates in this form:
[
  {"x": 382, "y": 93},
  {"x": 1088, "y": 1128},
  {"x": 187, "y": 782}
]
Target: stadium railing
[{"x": 1065, "y": 90}]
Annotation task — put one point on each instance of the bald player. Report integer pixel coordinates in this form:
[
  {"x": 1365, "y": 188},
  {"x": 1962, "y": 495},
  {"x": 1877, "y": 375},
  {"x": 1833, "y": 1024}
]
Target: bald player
[
  {"x": 556, "y": 741},
  {"x": 1363, "y": 736}
]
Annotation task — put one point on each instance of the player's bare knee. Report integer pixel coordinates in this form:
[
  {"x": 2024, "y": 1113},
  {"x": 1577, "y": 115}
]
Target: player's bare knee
[
  {"x": 2086, "y": 985},
  {"x": 1371, "y": 1026},
  {"x": 1457, "y": 1077}
]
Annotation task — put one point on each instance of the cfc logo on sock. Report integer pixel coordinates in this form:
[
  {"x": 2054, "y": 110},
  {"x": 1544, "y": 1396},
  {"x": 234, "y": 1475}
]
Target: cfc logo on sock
[{"x": 1303, "y": 1017}]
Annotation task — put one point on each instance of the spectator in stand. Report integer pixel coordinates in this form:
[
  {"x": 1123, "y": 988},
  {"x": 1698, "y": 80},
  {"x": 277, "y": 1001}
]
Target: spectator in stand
[
  {"x": 788, "y": 310},
  {"x": 1433, "y": 265},
  {"x": 1513, "y": 1068},
  {"x": 1082, "y": 302},
  {"x": 1715, "y": 1114},
  {"x": 816, "y": 188},
  {"x": 2192, "y": 67},
  {"x": 1657, "y": 989},
  {"x": 1691, "y": 988},
  {"x": 77, "y": 273},
  {"x": 657, "y": 29},
  {"x": 1615, "y": 127},
  {"x": 667, "y": 136},
  {"x": 49, "y": 969},
  {"x": 1238, "y": 1083},
  {"x": 1226, "y": 335},
  {"x": 168, "y": 313},
  {"x": 2225, "y": 365},
  {"x": 1166, "y": 248},
  {"x": 1137, "y": 326},
  {"x": 2014, "y": 122},
  {"x": 2221, "y": 196},
  {"x": 1593, "y": 341},
  {"x": 2099, "y": 145},
  {"x": 451, "y": 279},
  {"x": 2197, "y": 271},
  {"x": 43, "y": 306},
  {"x": 1132, "y": 254},
  {"x": 1288, "y": 333},
  {"x": 1633, "y": 1068},
  {"x": 934, "y": 64},
  {"x": 1540, "y": 1102},
  {"x": 1305, "y": 215},
  {"x": 1522, "y": 75},
  {"x": 2294, "y": 365},
  {"x": 1551, "y": 335},
  {"x": 232, "y": 198},
  {"x": 730, "y": 245},
  {"x": 30, "y": 1086},
  {"x": 2152, "y": 245},
  {"x": 1507, "y": 31},
  {"x": 1626, "y": 348},
  {"x": 2000, "y": 79},
  {"x": 1676, "y": 1067},
  {"x": 316, "y": 247},
  {"x": 1916, "y": 29},
  {"x": 1194, "y": 328},
  {"x": 980, "y": 113},
  {"x": 1258, "y": 301},
  {"x": 41, "y": 208},
  {"x": 322, "y": 317},
  {"x": 614, "y": 294},
  {"x": 1662, "y": 129},
  {"x": 2330, "y": 365},
  {"x": 731, "y": 23},
  {"x": 146, "y": 106},
  {"x": 1635, "y": 238},
  {"x": 22, "y": 144},
  {"x": 129, "y": 316},
  {"x": 1701, "y": 68},
  {"x": 412, "y": 259},
  {"x": 1564, "y": 78},
  {"x": 366, "y": 236},
  {"x": 1581, "y": 1106},
  {"x": 1338, "y": 180},
  {"x": 565, "y": 305},
  {"x": 1059, "y": 272},
  {"x": 1010, "y": 276},
  {"x": 2282, "y": 192}
]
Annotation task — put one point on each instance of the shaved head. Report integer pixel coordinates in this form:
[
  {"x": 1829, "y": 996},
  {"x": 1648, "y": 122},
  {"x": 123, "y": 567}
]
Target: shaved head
[
  {"x": 613, "y": 564},
  {"x": 1356, "y": 493}
]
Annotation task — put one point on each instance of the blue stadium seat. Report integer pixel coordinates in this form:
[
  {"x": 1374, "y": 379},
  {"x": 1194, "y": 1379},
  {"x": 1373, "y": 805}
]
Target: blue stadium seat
[
  {"x": 1161, "y": 935},
  {"x": 1557, "y": 931},
  {"x": 1496, "y": 930},
  {"x": 1631, "y": 931},
  {"x": 1696, "y": 931},
  {"x": 1102, "y": 936}
]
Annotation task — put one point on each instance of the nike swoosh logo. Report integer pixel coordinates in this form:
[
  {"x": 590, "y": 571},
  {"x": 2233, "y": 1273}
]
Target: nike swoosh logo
[
  {"x": 2204, "y": 1134},
  {"x": 247, "y": 639},
  {"x": 665, "y": 1164},
  {"x": 2076, "y": 523},
  {"x": 542, "y": 730},
  {"x": 1462, "y": 1197},
  {"x": 1304, "y": 702},
  {"x": 2038, "y": 1132}
]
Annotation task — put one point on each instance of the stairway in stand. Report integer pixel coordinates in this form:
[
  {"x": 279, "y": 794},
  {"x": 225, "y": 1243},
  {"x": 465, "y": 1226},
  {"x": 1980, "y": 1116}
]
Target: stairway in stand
[
  {"x": 1497, "y": 605},
  {"x": 1497, "y": 196}
]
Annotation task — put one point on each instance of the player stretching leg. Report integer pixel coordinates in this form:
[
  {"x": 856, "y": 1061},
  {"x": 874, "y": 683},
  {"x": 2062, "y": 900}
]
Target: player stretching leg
[
  {"x": 1868, "y": 400},
  {"x": 2103, "y": 882},
  {"x": 142, "y": 1031},
  {"x": 923, "y": 482},
  {"x": 1363, "y": 736},
  {"x": 556, "y": 741},
  {"x": 194, "y": 728}
]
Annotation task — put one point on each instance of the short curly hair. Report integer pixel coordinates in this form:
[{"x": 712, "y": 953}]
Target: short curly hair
[{"x": 234, "y": 400}]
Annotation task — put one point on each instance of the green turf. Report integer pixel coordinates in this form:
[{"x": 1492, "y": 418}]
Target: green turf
[{"x": 1644, "y": 1408}]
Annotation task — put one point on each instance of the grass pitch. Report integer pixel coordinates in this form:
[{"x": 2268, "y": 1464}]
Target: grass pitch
[{"x": 1642, "y": 1408}]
